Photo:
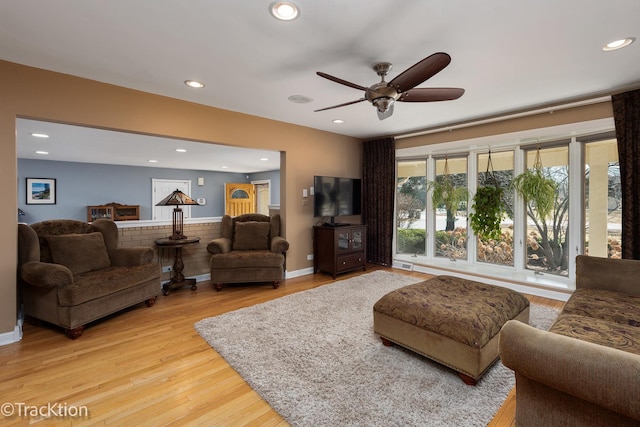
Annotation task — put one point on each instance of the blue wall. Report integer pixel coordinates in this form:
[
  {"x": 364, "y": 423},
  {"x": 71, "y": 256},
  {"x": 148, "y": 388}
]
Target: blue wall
[
  {"x": 79, "y": 185},
  {"x": 274, "y": 176}
]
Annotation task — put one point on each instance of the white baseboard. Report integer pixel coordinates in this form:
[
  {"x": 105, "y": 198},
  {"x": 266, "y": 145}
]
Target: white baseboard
[
  {"x": 11, "y": 337},
  {"x": 202, "y": 277},
  {"x": 298, "y": 273}
]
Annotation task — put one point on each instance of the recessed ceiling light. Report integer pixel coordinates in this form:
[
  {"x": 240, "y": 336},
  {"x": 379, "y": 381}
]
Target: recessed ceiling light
[
  {"x": 300, "y": 99},
  {"x": 40, "y": 135},
  {"x": 264, "y": 159},
  {"x": 42, "y": 152},
  {"x": 338, "y": 121},
  {"x": 284, "y": 10},
  {"x": 618, "y": 44},
  {"x": 181, "y": 150},
  {"x": 152, "y": 161},
  {"x": 194, "y": 83},
  {"x": 224, "y": 167}
]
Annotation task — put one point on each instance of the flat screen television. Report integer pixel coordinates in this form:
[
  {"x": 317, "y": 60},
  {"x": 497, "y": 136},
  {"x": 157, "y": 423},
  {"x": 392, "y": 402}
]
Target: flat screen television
[{"x": 335, "y": 196}]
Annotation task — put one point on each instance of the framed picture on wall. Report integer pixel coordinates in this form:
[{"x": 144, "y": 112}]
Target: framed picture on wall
[{"x": 41, "y": 191}]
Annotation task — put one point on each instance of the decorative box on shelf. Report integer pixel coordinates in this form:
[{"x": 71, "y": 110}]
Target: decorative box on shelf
[{"x": 114, "y": 211}]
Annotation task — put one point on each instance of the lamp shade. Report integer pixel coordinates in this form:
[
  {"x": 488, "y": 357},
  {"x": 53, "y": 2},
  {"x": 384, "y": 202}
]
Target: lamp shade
[{"x": 176, "y": 198}]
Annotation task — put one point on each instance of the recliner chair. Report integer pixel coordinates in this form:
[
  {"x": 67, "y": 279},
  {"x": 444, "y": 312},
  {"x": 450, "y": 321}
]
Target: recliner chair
[
  {"x": 250, "y": 249},
  {"x": 72, "y": 273}
]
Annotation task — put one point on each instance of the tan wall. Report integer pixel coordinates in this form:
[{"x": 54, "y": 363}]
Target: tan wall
[
  {"x": 560, "y": 117},
  {"x": 38, "y": 94}
]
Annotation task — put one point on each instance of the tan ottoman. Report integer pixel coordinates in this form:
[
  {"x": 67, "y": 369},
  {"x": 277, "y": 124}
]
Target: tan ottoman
[{"x": 450, "y": 320}]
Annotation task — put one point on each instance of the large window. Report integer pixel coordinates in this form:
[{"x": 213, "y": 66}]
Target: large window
[{"x": 534, "y": 243}]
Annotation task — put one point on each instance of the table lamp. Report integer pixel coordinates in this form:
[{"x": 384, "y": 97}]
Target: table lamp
[{"x": 177, "y": 199}]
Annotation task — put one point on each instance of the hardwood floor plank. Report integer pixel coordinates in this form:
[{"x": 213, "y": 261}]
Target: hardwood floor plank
[{"x": 148, "y": 366}]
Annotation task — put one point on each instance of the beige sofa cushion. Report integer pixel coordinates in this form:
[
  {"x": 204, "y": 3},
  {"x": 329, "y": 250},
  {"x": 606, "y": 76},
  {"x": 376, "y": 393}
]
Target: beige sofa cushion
[
  {"x": 80, "y": 253},
  {"x": 251, "y": 235}
]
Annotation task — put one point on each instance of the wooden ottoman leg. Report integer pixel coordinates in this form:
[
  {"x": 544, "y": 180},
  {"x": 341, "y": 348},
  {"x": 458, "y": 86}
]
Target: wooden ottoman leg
[
  {"x": 467, "y": 379},
  {"x": 386, "y": 342}
]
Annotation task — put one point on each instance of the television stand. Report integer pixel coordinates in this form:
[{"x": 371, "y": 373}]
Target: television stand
[{"x": 340, "y": 248}]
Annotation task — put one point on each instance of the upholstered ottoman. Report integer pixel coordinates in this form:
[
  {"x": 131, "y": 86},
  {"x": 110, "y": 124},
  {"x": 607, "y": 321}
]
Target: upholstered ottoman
[{"x": 450, "y": 320}]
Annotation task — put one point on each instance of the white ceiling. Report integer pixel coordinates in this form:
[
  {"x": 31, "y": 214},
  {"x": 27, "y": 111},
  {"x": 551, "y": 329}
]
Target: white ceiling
[
  {"x": 89, "y": 145},
  {"x": 508, "y": 55}
]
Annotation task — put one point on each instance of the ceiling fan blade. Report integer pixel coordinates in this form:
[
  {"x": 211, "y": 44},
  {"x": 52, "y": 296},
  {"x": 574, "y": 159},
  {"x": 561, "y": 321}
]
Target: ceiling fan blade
[
  {"x": 341, "y": 105},
  {"x": 420, "y": 72},
  {"x": 430, "y": 94},
  {"x": 342, "y": 82},
  {"x": 386, "y": 114}
]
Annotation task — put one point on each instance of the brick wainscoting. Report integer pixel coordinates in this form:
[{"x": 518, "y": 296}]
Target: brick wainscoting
[{"x": 195, "y": 257}]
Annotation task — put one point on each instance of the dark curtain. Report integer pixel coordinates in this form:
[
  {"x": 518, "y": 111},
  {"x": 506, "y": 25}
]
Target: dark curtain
[
  {"x": 626, "y": 114},
  {"x": 378, "y": 189}
]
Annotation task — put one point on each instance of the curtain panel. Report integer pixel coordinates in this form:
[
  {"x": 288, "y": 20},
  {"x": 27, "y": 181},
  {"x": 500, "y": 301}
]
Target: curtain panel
[
  {"x": 378, "y": 190},
  {"x": 626, "y": 115}
]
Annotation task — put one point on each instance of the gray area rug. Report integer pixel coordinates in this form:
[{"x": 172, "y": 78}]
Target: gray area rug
[{"x": 313, "y": 356}]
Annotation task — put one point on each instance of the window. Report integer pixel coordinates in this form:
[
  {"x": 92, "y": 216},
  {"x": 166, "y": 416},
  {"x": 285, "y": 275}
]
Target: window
[
  {"x": 450, "y": 188},
  {"x": 497, "y": 169},
  {"x": 583, "y": 216},
  {"x": 547, "y": 233},
  {"x": 603, "y": 200},
  {"x": 411, "y": 203}
]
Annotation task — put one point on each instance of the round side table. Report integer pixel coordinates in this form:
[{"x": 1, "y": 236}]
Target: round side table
[{"x": 178, "y": 280}]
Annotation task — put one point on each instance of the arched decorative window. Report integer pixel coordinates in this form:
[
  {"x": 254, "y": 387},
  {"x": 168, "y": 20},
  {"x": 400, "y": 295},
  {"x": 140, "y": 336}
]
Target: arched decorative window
[{"x": 239, "y": 194}]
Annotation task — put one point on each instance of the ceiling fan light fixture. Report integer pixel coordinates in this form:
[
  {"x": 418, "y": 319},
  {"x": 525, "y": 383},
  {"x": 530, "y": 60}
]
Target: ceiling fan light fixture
[
  {"x": 284, "y": 10},
  {"x": 383, "y": 103},
  {"x": 618, "y": 44}
]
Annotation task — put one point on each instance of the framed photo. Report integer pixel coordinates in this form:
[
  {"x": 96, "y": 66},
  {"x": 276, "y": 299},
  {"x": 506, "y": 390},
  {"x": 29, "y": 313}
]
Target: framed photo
[{"x": 41, "y": 191}]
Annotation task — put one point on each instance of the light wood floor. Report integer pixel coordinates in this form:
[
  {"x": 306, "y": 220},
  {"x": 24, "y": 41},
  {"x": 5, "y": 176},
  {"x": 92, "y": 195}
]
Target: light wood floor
[{"x": 148, "y": 366}]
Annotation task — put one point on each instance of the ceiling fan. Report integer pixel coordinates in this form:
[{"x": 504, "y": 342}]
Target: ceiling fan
[{"x": 402, "y": 88}]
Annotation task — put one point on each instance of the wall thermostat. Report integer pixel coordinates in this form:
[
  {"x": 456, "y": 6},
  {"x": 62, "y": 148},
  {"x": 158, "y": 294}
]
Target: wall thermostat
[{"x": 201, "y": 201}]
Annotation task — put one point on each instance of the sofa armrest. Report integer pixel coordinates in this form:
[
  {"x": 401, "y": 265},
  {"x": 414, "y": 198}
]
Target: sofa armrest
[
  {"x": 128, "y": 257},
  {"x": 279, "y": 245},
  {"x": 594, "y": 373},
  {"x": 221, "y": 245},
  {"x": 45, "y": 274}
]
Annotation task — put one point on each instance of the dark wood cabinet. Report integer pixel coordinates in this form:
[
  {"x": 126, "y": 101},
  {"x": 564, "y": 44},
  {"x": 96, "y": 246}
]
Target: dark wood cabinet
[
  {"x": 339, "y": 249},
  {"x": 113, "y": 211}
]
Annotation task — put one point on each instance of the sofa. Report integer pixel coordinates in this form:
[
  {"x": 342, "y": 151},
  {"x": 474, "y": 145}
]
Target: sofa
[
  {"x": 585, "y": 371},
  {"x": 71, "y": 273},
  {"x": 250, "y": 249}
]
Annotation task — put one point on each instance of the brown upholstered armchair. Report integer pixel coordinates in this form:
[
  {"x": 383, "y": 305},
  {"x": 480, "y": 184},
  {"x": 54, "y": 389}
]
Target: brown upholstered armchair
[
  {"x": 251, "y": 249},
  {"x": 71, "y": 273}
]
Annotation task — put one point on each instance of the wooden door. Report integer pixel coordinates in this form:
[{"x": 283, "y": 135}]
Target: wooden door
[
  {"x": 262, "y": 198},
  {"x": 240, "y": 198}
]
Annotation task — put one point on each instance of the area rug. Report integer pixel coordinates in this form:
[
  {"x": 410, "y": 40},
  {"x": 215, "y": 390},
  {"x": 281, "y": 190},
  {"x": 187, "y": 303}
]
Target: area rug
[{"x": 313, "y": 356}]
